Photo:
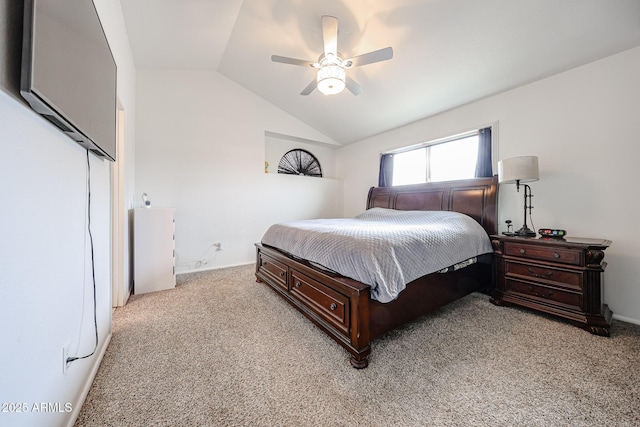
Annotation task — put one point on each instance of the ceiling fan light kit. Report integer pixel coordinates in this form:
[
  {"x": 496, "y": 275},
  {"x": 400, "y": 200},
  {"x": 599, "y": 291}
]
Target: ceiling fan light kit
[{"x": 331, "y": 77}]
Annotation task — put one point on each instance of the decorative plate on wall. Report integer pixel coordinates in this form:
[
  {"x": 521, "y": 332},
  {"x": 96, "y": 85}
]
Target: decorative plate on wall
[{"x": 299, "y": 162}]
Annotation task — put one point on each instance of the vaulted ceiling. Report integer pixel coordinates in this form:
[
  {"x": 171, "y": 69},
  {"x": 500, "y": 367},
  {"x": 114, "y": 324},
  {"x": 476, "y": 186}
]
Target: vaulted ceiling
[{"x": 446, "y": 53}]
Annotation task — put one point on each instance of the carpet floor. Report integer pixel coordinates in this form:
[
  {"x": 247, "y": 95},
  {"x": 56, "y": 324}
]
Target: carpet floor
[{"x": 223, "y": 350}]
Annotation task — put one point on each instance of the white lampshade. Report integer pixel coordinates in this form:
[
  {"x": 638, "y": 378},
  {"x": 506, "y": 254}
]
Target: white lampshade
[
  {"x": 331, "y": 79},
  {"x": 522, "y": 169}
]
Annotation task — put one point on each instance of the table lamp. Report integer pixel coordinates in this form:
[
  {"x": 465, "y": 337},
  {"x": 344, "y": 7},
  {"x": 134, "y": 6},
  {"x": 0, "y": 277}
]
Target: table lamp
[{"x": 520, "y": 170}]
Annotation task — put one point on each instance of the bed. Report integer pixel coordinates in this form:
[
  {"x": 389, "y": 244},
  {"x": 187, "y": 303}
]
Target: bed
[{"x": 344, "y": 308}]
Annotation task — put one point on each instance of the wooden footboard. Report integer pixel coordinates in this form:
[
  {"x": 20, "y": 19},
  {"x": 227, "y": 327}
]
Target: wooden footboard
[
  {"x": 343, "y": 308},
  {"x": 339, "y": 306}
]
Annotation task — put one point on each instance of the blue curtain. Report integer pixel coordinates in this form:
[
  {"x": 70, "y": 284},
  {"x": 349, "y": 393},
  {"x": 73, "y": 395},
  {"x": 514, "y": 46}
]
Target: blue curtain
[
  {"x": 385, "y": 177},
  {"x": 483, "y": 164}
]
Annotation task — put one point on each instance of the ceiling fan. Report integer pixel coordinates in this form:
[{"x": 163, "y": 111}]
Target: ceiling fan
[{"x": 331, "y": 76}]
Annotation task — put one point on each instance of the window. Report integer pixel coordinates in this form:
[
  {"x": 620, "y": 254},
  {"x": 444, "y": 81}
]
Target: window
[{"x": 459, "y": 157}]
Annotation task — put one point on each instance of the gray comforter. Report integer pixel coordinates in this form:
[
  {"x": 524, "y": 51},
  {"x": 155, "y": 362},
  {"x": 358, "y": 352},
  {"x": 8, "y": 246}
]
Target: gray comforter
[{"x": 383, "y": 248}]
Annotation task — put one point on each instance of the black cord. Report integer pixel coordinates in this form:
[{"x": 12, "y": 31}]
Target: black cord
[
  {"x": 93, "y": 265},
  {"x": 533, "y": 227}
]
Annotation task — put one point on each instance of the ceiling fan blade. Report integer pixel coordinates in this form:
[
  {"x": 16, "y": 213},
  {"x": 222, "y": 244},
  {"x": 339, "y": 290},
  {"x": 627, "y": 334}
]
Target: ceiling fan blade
[
  {"x": 353, "y": 87},
  {"x": 292, "y": 61},
  {"x": 310, "y": 88},
  {"x": 369, "y": 58},
  {"x": 330, "y": 35}
]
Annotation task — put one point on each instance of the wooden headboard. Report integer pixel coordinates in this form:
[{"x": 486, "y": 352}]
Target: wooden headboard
[{"x": 476, "y": 197}]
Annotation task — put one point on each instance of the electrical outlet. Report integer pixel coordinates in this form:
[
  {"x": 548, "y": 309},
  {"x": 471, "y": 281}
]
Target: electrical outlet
[{"x": 65, "y": 357}]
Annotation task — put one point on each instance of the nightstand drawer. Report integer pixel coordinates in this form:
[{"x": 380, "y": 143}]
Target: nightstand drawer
[
  {"x": 554, "y": 254},
  {"x": 563, "y": 278},
  {"x": 549, "y": 295}
]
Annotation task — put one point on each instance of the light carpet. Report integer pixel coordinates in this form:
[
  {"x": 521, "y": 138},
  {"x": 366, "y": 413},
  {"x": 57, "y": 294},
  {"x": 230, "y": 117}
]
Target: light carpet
[{"x": 223, "y": 350}]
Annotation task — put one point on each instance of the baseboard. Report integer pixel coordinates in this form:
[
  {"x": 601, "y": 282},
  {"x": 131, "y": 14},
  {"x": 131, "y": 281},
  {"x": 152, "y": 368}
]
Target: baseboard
[
  {"x": 77, "y": 406},
  {"x": 214, "y": 268},
  {"x": 626, "y": 319}
]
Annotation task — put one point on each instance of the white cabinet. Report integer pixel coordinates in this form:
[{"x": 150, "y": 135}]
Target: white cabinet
[{"x": 153, "y": 249}]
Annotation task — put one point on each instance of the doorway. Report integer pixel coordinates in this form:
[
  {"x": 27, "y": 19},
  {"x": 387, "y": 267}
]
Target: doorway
[{"x": 120, "y": 291}]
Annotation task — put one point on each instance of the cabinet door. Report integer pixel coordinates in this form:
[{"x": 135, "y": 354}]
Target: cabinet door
[{"x": 153, "y": 244}]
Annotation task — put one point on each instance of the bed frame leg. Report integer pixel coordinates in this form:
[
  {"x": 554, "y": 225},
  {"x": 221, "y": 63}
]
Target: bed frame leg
[{"x": 359, "y": 362}]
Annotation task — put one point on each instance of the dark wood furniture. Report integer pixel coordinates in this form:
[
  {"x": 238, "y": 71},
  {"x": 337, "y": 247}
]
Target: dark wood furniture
[
  {"x": 562, "y": 277},
  {"x": 343, "y": 307}
]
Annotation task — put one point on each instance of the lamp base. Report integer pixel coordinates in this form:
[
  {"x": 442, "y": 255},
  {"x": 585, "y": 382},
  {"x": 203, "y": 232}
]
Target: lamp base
[{"x": 525, "y": 232}]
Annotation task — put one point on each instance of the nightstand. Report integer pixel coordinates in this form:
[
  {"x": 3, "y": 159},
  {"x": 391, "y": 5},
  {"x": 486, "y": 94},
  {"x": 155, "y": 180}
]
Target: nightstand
[{"x": 563, "y": 277}]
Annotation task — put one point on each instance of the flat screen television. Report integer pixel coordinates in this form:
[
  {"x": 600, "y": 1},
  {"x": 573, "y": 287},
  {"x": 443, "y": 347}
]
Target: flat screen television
[{"x": 68, "y": 71}]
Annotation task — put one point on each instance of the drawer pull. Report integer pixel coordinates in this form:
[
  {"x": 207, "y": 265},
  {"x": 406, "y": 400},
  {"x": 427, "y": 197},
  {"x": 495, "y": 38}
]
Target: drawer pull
[
  {"x": 282, "y": 274},
  {"x": 542, "y": 276},
  {"x": 556, "y": 256},
  {"x": 298, "y": 284},
  {"x": 333, "y": 306},
  {"x": 537, "y": 294},
  {"x": 522, "y": 251}
]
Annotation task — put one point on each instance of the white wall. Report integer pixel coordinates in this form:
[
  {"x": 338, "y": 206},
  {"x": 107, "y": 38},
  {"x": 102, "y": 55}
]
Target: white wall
[
  {"x": 582, "y": 125},
  {"x": 200, "y": 148},
  {"x": 45, "y": 281}
]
